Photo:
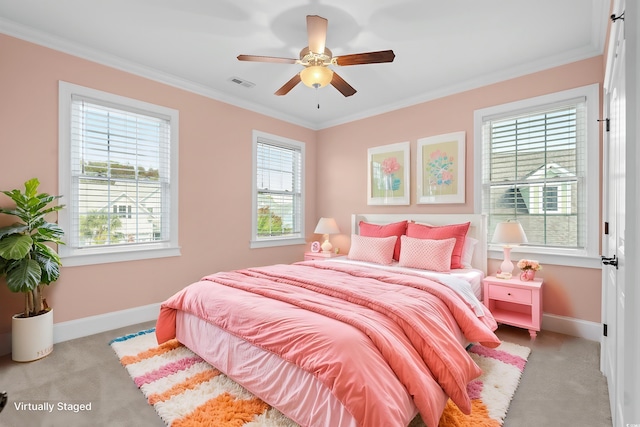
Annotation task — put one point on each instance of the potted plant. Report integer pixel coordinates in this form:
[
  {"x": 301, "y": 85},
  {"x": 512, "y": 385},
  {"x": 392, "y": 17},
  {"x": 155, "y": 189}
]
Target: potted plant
[{"x": 28, "y": 263}]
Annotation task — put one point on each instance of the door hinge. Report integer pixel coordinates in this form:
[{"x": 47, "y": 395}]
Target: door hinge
[
  {"x": 606, "y": 123},
  {"x": 604, "y": 329},
  {"x": 606, "y": 227}
]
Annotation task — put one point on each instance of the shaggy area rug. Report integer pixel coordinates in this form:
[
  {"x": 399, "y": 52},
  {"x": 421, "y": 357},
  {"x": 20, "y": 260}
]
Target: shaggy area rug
[{"x": 186, "y": 391}]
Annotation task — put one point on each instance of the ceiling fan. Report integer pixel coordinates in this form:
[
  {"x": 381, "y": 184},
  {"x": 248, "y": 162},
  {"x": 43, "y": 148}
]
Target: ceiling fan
[{"x": 316, "y": 59}]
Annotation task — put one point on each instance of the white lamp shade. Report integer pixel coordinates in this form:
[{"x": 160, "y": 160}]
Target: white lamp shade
[
  {"x": 327, "y": 226},
  {"x": 509, "y": 233}
]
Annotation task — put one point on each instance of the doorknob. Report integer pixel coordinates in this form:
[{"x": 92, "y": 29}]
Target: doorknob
[{"x": 610, "y": 261}]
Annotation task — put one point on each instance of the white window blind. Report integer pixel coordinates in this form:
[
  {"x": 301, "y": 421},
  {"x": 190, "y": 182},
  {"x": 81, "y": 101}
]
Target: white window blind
[
  {"x": 118, "y": 174},
  {"x": 278, "y": 195},
  {"x": 120, "y": 161},
  {"x": 534, "y": 170}
]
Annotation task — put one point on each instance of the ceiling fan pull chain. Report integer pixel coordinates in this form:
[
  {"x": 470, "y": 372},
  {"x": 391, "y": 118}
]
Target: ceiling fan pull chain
[{"x": 317, "y": 98}]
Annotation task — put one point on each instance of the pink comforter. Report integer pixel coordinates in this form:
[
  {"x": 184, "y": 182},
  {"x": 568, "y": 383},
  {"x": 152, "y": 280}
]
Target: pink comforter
[{"x": 359, "y": 330}]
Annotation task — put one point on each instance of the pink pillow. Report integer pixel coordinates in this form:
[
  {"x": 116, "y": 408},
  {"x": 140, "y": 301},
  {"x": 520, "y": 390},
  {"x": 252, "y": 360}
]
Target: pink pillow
[
  {"x": 458, "y": 231},
  {"x": 372, "y": 249},
  {"x": 394, "y": 229},
  {"x": 427, "y": 254}
]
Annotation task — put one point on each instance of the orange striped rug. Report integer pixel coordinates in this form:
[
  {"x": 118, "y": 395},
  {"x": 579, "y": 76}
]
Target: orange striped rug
[{"x": 186, "y": 391}]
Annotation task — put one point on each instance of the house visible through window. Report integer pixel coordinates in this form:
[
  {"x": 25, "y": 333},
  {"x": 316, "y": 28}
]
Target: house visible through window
[
  {"x": 278, "y": 206},
  {"x": 117, "y": 171},
  {"x": 535, "y": 158}
]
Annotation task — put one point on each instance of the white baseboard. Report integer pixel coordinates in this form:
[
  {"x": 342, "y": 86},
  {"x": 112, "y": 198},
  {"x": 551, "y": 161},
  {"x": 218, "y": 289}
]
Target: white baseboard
[
  {"x": 72, "y": 329},
  {"x": 572, "y": 326},
  {"x": 79, "y": 328}
]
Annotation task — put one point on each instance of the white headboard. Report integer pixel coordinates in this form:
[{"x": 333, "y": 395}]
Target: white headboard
[{"x": 477, "y": 228}]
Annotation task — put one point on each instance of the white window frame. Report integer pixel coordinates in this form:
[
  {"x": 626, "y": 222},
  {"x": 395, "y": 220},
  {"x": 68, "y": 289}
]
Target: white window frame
[
  {"x": 589, "y": 256},
  {"x": 262, "y": 242},
  {"x": 72, "y": 256}
]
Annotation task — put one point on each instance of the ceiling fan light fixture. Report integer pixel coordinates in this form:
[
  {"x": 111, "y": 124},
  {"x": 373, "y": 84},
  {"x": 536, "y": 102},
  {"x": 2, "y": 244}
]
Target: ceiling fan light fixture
[{"x": 316, "y": 76}]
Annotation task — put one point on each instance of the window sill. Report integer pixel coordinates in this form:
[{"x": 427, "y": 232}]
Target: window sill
[
  {"x": 548, "y": 257},
  {"x": 255, "y": 244},
  {"x": 104, "y": 257}
]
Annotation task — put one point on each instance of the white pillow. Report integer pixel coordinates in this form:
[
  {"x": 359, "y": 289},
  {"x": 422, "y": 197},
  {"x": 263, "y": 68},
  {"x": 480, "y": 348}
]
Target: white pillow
[
  {"x": 467, "y": 251},
  {"x": 372, "y": 249},
  {"x": 426, "y": 254}
]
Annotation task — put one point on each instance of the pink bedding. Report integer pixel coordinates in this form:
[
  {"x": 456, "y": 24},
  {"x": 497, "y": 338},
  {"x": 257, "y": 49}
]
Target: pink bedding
[{"x": 360, "y": 331}]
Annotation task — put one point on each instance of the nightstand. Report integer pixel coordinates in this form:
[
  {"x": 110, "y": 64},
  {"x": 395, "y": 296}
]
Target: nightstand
[
  {"x": 309, "y": 256},
  {"x": 514, "y": 302}
]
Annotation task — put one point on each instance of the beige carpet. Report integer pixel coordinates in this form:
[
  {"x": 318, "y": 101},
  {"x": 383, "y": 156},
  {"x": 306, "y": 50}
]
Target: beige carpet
[{"x": 562, "y": 374}]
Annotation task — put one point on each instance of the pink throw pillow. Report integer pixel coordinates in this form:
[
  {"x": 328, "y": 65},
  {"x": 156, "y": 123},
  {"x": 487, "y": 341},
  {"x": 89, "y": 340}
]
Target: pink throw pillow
[
  {"x": 394, "y": 229},
  {"x": 372, "y": 249},
  {"x": 457, "y": 231},
  {"x": 426, "y": 254}
]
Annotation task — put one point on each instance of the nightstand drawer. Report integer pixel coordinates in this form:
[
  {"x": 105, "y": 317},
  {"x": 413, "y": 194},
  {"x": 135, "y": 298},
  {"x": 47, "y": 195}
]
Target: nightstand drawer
[{"x": 504, "y": 293}]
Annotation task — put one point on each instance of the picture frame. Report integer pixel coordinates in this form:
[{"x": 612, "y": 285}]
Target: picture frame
[
  {"x": 315, "y": 247},
  {"x": 388, "y": 174},
  {"x": 441, "y": 169}
]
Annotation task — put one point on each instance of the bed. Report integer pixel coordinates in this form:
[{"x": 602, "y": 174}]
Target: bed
[{"x": 347, "y": 342}]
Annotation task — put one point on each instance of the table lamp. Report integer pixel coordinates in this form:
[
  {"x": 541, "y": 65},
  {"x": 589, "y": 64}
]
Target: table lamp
[
  {"x": 509, "y": 234},
  {"x": 327, "y": 226}
]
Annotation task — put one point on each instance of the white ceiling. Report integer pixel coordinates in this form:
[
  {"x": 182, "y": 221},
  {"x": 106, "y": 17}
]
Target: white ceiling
[{"x": 441, "y": 47}]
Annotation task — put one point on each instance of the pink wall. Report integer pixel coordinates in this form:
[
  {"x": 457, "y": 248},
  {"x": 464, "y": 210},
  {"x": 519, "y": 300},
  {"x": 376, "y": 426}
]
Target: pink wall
[
  {"x": 215, "y": 179},
  {"x": 342, "y": 179},
  {"x": 215, "y": 148}
]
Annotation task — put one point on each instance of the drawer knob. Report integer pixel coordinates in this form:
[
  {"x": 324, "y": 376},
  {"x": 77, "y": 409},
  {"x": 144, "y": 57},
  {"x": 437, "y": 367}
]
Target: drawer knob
[{"x": 509, "y": 293}]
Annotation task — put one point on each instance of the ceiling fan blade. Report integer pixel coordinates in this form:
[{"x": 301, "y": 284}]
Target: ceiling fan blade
[
  {"x": 339, "y": 83},
  {"x": 366, "y": 58},
  {"x": 289, "y": 85},
  {"x": 316, "y": 33},
  {"x": 274, "y": 59}
]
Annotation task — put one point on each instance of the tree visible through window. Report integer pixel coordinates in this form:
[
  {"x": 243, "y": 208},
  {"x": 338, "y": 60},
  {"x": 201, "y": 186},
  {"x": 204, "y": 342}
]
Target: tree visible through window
[
  {"x": 118, "y": 157},
  {"x": 117, "y": 166},
  {"x": 278, "y": 201}
]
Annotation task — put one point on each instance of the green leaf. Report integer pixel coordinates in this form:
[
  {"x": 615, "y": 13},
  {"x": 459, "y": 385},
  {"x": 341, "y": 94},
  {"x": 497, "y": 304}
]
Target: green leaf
[
  {"x": 31, "y": 187},
  {"x": 15, "y": 246},
  {"x": 43, "y": 251},
  {"x": 36, "y": 204},
  {"x": 48, "y": 232},
  {"x": 24, "y": 276},
  {"x": 49, "y": 263},
  {"x": 13, "y": 229}
]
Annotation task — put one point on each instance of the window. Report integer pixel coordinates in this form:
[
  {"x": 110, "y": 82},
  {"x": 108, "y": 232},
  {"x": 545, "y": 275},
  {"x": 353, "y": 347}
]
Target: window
[
  {"x": 278, "y": 202},
  {"x": 533, "y": 161},
  {"x": 118, "y": 176}
]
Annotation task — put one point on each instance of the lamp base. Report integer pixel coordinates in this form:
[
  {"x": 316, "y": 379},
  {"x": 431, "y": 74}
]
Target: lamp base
[
  {"x": 507, "y": 266},
  {"x": 326, "y": 245}
]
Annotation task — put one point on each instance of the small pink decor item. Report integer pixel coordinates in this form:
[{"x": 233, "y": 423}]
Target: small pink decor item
[
  {"x": 529, "y": 268},
  {"x": 527, "y": 275}
]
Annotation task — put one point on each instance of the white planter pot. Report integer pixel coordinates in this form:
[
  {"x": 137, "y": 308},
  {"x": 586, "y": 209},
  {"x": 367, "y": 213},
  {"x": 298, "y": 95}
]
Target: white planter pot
[{"x": 31, "y": 337}]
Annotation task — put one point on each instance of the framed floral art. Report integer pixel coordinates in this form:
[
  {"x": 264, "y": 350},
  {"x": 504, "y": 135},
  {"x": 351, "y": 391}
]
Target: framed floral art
[
  {"x": 388, "y": 170},
  {"x": 441, "y": 169}
]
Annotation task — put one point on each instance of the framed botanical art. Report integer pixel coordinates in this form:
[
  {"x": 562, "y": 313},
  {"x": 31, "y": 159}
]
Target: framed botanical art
[
  {"x": 388, "y": 174},
  {"x": 441, "y": 169}
]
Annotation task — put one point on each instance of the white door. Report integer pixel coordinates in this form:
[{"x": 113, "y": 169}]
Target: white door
[{"x": 614, "y": 177}]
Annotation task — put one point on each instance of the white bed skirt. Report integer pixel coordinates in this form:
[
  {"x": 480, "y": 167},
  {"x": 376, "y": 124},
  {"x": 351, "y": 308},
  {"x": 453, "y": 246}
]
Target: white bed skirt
[{"x": 281, "y": 384}]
